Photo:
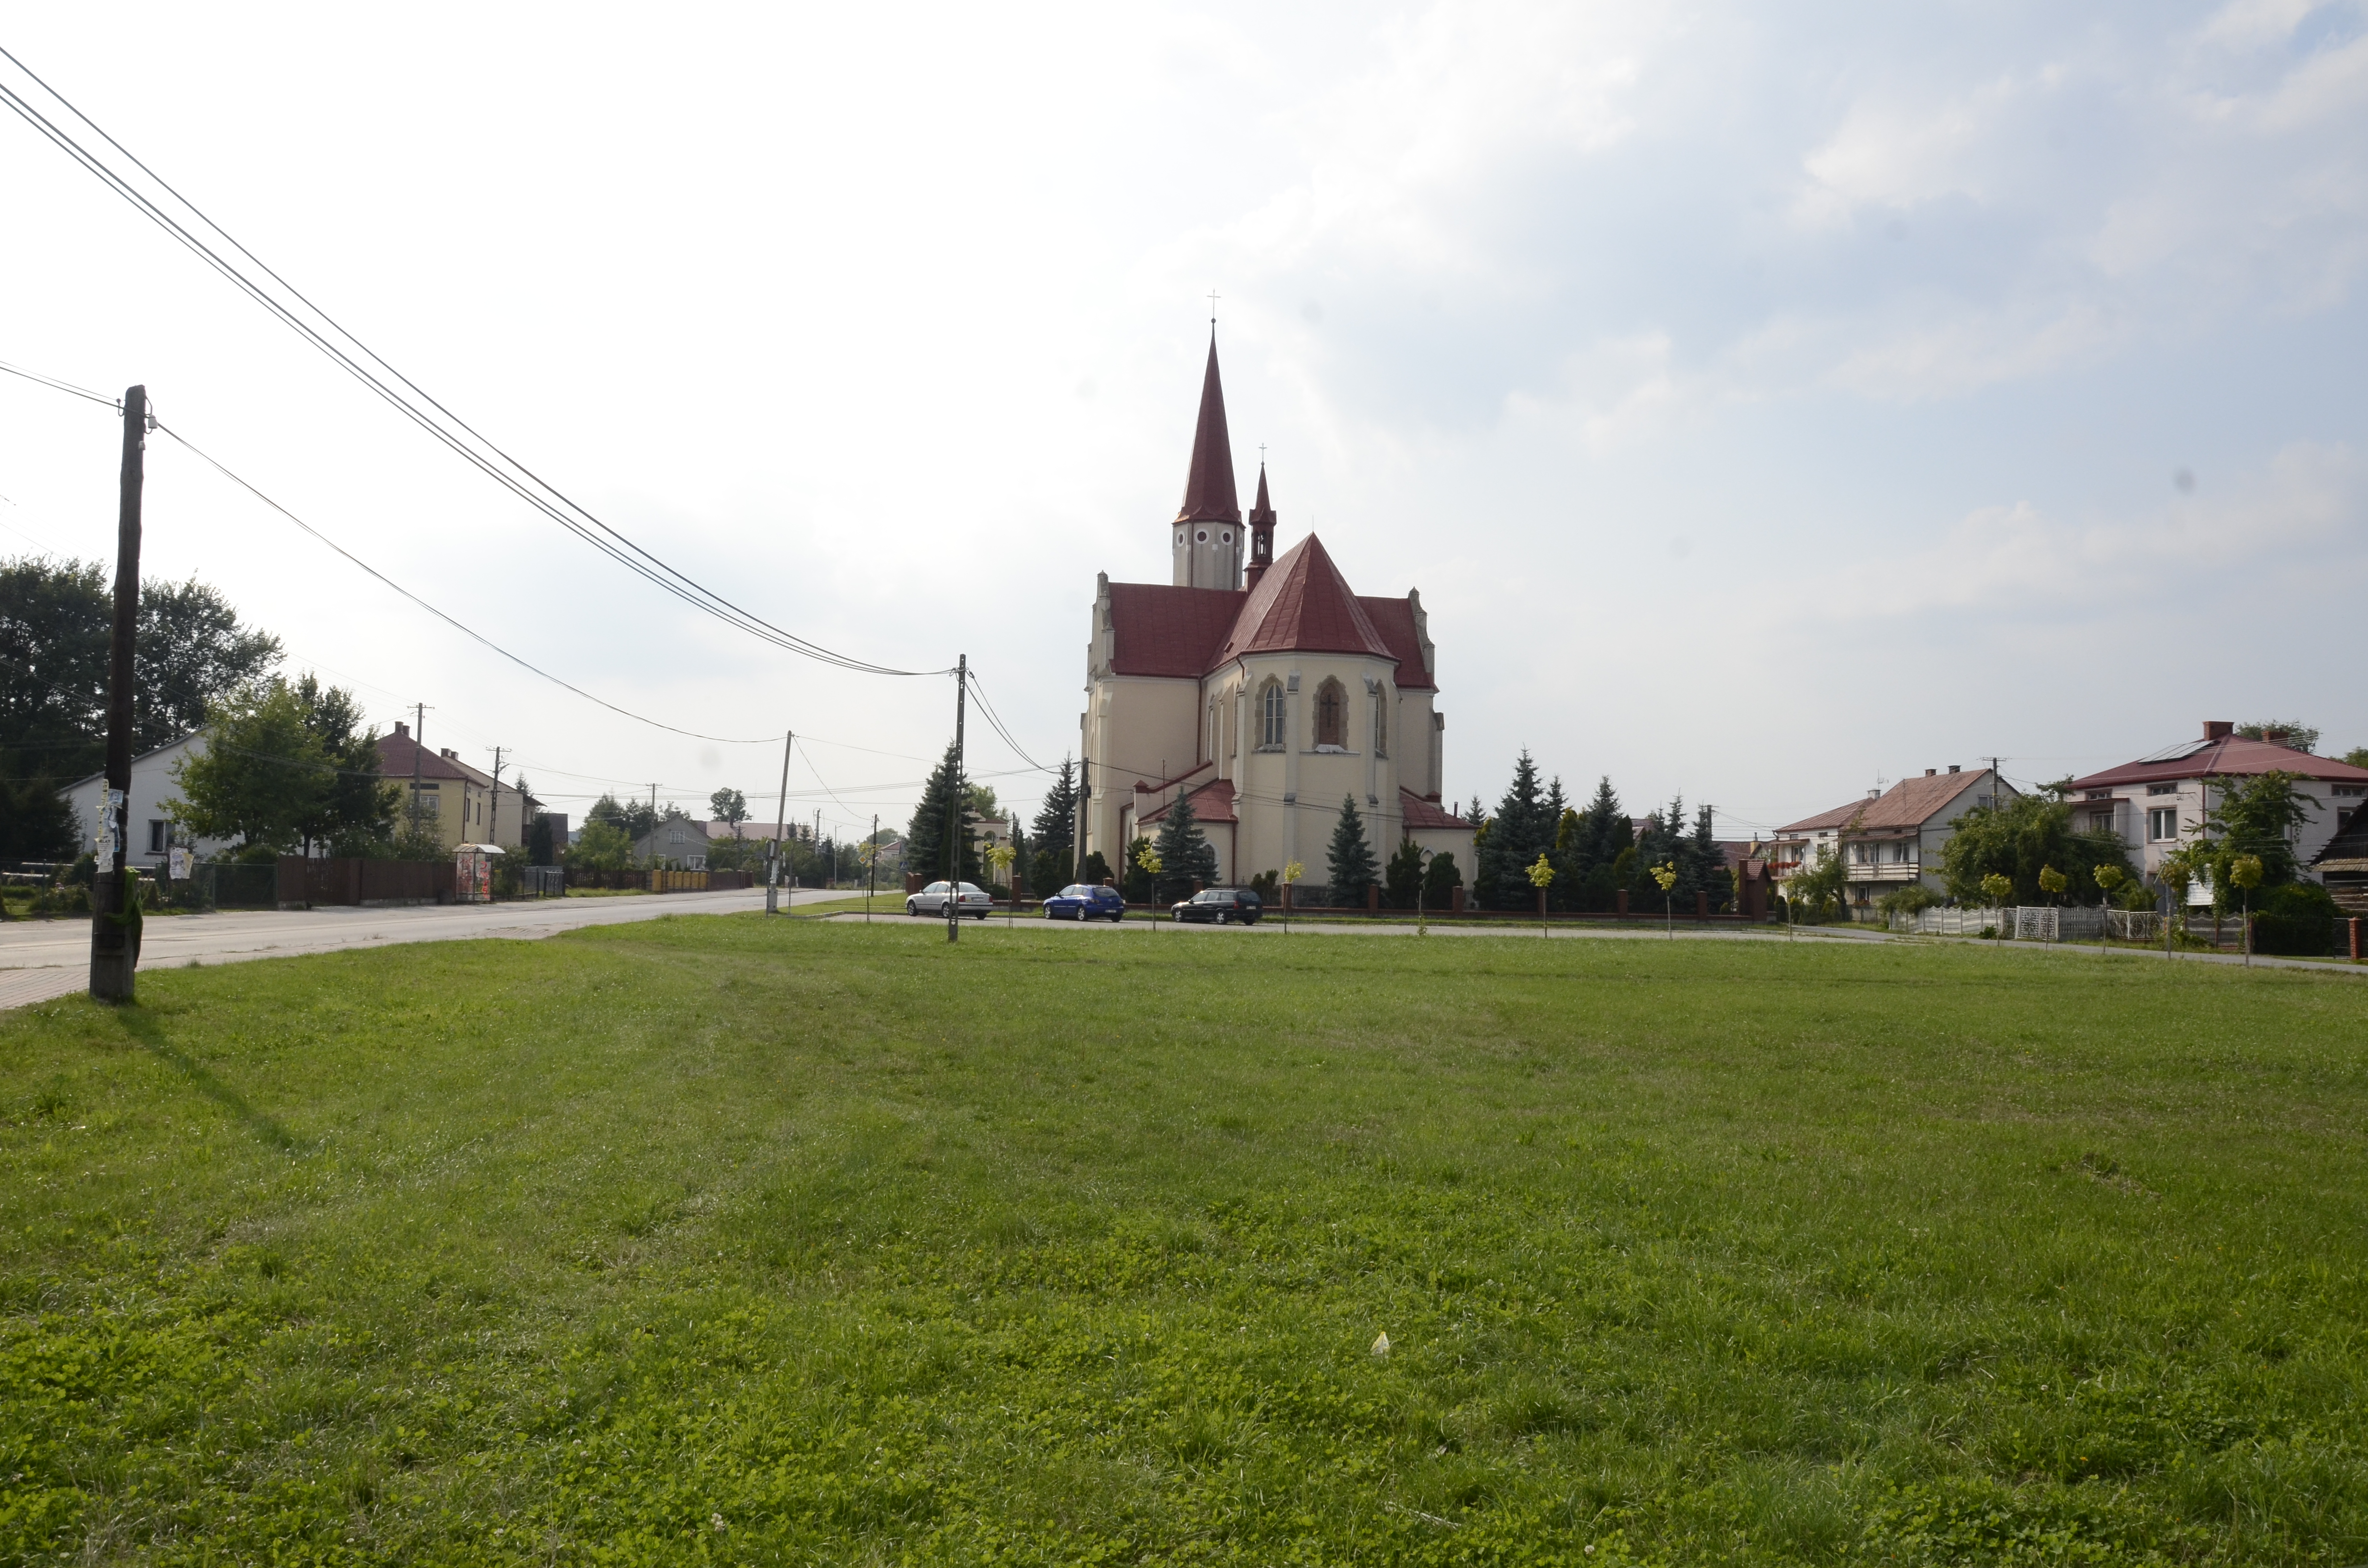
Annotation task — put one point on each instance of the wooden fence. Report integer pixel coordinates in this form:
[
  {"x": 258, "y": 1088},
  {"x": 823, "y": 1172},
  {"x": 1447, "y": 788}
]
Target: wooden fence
[{"x": 304, "y": 884}]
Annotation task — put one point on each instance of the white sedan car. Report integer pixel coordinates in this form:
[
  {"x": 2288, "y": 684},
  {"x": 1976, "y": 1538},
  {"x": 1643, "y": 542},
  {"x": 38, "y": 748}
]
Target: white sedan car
[{"x": 972, "y": 900}]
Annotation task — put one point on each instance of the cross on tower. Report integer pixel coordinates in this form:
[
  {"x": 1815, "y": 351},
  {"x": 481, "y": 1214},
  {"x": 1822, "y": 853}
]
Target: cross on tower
[{"x": 1212, "y": 307}]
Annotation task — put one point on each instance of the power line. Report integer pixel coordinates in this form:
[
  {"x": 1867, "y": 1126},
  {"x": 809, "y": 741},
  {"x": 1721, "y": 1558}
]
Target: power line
[
  {"x": 509, "y": 473},
  {"x": 457, "y": 625}
]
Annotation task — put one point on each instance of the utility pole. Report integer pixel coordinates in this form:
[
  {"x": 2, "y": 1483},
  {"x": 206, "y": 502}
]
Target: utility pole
[
  {"x": 494, "y": 812},
  {"x": 418, "y": 740},
  {"x": 114, "y": 944},
  {"x": 817, "y": 842},
  {"x": 872, "y": 868},
  {"x": 955, "y": 807},
  {"x": 781, "y": 827}
]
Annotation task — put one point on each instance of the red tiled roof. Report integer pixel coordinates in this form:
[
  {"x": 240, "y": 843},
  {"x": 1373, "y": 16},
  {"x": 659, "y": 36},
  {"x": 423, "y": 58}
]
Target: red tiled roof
[
  {"x": 1393, "y": 619},
  {"x": 1213, "y": 801},
  {"x": 1303, "y": 605},
  {"x": 1910, "y": 803},
  {"x": 395, "y": 752},
  {"x": 1419, "y": 813},
  {"x": 1160, "y": 631},
  {"x": 1209, "y": 484},
  {"x": 2226, "y": 757}
]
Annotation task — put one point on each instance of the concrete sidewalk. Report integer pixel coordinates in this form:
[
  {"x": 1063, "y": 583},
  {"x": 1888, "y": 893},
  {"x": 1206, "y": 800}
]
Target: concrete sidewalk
[{"x": 41, "y": 959}]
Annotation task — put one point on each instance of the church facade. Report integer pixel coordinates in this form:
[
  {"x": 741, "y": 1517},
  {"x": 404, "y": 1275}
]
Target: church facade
[{"x": 1262, "y": 687}]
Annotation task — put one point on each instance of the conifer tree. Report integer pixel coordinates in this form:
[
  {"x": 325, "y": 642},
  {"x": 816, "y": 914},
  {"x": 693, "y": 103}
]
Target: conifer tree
[
  {"x": 1055, "y": 828},
  {"x": 1185, "y": 854},
  {"x": 1440, "y": 880},
  {"x": 1403, "y": 878},
  {"x": 1351, "y": 858},
  {"x": 925, "y": 840},
  {"x": 1522, "y": 829}
]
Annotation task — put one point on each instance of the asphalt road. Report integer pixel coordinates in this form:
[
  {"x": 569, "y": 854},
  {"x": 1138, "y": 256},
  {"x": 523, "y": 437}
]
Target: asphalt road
[{"x": 43, "y": 958}]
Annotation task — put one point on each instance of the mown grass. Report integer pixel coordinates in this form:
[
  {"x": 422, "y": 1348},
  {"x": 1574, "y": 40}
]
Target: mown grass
[{"x": 710, "y": 1239}]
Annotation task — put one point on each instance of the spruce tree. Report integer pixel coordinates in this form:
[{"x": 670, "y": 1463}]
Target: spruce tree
[
  {"x": 1349, "y": 858},
  {"x": 1403, "y": 878},
  {"x": 1522, "y": 829},
  {"x": 1055, "y": 828},
  {"x": 925, "y": 840},
  {"x": 1186, "y": 855}
]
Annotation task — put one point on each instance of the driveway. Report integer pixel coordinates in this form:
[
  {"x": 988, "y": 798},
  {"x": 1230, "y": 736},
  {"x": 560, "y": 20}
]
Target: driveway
[{"x": 45, "y": 958}]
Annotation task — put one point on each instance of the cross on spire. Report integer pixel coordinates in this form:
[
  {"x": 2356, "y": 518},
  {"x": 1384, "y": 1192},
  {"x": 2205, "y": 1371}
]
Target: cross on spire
[{"x": 1212, "y": 307}]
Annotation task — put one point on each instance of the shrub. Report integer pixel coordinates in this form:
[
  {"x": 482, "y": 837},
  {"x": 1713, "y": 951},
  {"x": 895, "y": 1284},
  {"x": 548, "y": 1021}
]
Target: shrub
[
  {"x": 2298, "y": 920},
  {"x": 1907, "y": 900}
]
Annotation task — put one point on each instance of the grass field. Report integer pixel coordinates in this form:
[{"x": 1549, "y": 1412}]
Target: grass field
[{"x": 711, "y": 1240}]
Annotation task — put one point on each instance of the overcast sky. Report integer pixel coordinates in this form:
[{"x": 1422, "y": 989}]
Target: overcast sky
[{"x": 1766, "y": 408}]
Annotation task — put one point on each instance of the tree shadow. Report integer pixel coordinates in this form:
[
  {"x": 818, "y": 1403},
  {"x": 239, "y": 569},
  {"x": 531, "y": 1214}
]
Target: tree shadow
[{"x": 147, "y": 1029}]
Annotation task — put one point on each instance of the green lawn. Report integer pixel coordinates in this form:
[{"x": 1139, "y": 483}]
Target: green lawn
[{"x": 714, "y": 1239}]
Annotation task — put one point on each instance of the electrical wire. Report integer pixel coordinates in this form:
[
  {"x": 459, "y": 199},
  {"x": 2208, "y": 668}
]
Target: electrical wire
[
  {"x": 508, "y": 472},
  {"x": 58, "y": 385},
  {"x": 464, "y": 630}
]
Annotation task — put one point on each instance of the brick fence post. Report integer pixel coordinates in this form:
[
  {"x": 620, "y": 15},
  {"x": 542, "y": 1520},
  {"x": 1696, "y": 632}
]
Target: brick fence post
[
  {"x": 1622, "y": 907},
  {"x": 1372, "y": 898}
]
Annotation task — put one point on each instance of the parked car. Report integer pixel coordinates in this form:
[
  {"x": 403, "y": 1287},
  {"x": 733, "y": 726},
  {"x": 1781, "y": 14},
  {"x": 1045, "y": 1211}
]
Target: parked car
[
  {"x": 1226, "y": 906},
  {"x": 974, "y": 901},
  {"x": 1079, "y": 902}
]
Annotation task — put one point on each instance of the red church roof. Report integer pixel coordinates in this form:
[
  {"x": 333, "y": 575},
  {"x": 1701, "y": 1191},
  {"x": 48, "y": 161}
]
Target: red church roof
[
  {"x": 1420, "y": 812},
  {"x": 1212, "y": 802},
  {"x": 1393, "y": 619},
  {"x": 1303, "y": 605},
  {"x": 1160, "y": 631}
]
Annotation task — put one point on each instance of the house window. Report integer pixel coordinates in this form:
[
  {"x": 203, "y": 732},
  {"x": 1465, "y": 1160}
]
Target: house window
[
  {"x": 431, "y": 805},
  {"x": 1331, "y": 713},
  {"x": 2340, "y": 789},
  {"x": 1271, "y": 716},
  {"x": 2162, "y": 789},
  {"x": 155, "y": 837},
  {"x": 674, "y": 835},
  {"x": 1899, "y": 852},
  {"x": 2162, "y": 824}
]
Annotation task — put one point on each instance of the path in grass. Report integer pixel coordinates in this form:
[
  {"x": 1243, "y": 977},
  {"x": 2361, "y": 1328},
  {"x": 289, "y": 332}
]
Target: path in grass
[{"x": 808, "y": 1243}]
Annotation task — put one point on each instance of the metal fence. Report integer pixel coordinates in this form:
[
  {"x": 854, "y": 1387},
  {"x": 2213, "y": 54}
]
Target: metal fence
[{"x": 543, "y": 881}]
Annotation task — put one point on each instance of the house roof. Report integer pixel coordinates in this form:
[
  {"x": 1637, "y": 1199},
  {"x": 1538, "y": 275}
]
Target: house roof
[
  {"x": 395, "y": 752},
  {"x": 1303, "y": 605},
  {"x": 2223, "y": 755},
  {"x": 1212, "y": 802},
  {"x": 1909, "y": 804},
  {"x": 1418, "y": 811},
  {"x": 136, "y": 761},
  {"x": 2348, "y": 850},
  {"x": 1209, "y": 484}
]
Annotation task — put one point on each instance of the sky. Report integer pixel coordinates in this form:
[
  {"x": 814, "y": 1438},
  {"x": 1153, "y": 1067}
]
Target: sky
[{"x": 1767, "y": 406}]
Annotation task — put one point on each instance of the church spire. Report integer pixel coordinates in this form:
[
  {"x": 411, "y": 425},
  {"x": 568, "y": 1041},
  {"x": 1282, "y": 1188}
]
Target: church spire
[
  {"x": 1209, "y": 495},
  {"x": 1261, "y": 534}
]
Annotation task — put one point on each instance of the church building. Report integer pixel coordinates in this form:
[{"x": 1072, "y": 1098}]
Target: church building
[{"x": 1263, "y": 688}]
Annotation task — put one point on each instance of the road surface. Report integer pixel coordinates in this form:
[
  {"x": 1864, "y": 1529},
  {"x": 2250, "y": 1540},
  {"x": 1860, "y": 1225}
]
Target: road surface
[{"x": 43, "y": 958}]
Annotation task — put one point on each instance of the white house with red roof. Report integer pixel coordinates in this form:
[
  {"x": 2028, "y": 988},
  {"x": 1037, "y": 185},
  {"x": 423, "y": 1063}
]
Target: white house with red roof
[
  {"x": 2159, "y": 802},
  {"x": 1892, "y": 838},
  {"x": 1263, "y": 688}
]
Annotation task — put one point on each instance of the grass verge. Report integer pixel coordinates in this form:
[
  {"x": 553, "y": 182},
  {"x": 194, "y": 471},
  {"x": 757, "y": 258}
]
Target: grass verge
[{"x": 717, "y": 1239}]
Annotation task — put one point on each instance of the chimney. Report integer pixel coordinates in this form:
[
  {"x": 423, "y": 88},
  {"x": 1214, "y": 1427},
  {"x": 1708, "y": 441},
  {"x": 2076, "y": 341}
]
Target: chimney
[
  {"x": 1929, "y": 772},
  {"x": 402, "y": 731},
  {"x": 2279, "y": 737},
  {"x": 449, "y": 753},
  {"x": 1952, "y": 767},
  {"x": 2218, "y": 729}
]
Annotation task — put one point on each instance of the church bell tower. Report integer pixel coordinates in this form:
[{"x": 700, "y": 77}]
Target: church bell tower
[
  {"x": 1210, "y": 542},
  {"x": 1261, "y": 535}
]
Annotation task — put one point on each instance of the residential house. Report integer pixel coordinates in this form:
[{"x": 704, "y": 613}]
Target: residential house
[
  {"x": 154, "y": 790},
  {"x": 2160, "y": 801},
  {"x": 458, "y": 804},
  {"x": 675, "y": 842},
  {"x": 1892, "y": 839},
  {"x": 2343, "y": 864}
]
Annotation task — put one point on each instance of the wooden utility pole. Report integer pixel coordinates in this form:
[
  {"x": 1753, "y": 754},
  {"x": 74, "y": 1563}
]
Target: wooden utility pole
[
  {"x": 780, "y": 829},
  {"x": 418, "y": 739},
  {"x": 494, "y": 812},
  {"x": 955, "y": 807},
  {"x": 114, "y": 928}
]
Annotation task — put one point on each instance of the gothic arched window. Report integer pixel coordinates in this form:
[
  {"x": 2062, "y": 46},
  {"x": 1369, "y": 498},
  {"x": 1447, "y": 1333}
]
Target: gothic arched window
[
  {"x": 1380, "y": 724},
  {"x": 1331, "y": 714},
  {"x": 1270, "y": 715}
]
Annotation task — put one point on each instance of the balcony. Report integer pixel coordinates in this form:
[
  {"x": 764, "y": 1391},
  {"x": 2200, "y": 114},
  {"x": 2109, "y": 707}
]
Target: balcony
[{"x": 1884, "y": 871}]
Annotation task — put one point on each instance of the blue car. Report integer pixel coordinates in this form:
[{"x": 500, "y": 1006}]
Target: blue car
[{"x": 1078, "y": 902}]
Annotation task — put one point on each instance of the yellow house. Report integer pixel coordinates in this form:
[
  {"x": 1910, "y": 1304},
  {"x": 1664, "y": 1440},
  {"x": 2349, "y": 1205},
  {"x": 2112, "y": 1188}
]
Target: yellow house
[
  {"x": 458, "y": 804},
  {"x": 1263, "y": 688}
]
